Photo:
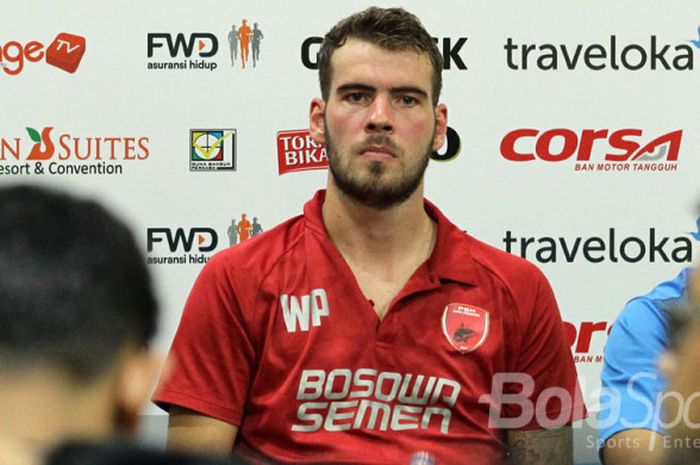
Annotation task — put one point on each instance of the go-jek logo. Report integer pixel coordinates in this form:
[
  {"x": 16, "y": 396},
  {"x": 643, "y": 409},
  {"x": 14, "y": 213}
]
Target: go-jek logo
[
  {"x": 65, "y": 52},
  {"x": 451, "y": 48},
  {"x": 595, "y": 149}
]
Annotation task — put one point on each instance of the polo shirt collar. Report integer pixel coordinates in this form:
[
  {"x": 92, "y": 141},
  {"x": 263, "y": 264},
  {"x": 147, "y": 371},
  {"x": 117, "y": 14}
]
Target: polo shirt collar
[{"x": 451, "y": 259}]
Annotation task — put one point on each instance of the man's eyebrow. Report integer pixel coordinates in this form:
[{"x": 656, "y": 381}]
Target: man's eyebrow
[
  {"x": 351, "y": 86},
  {"x": 408, "y": 90},
  {"x": 355, "y": 86}
]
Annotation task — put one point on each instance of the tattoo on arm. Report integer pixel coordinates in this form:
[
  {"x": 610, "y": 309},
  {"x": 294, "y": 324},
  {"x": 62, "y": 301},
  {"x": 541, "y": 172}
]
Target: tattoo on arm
[{"x": 542, "y": 446}]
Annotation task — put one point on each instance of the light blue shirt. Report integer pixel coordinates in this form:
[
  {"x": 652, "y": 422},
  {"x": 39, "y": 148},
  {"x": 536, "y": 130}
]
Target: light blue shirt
[{"x": 631, "y": 380}]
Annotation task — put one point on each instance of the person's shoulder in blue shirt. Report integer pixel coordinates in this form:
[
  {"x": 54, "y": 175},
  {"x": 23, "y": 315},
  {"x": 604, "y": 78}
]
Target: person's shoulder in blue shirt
[{"x": 630, "y": 378}]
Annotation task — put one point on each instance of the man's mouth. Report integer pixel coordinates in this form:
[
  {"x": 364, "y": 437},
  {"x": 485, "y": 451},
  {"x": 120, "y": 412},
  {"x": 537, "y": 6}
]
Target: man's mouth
[{"x": 378, "y": 151}]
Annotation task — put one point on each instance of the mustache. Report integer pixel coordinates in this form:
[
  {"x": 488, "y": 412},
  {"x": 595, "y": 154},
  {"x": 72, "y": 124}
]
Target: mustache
[{"x": 376, "y": 140}]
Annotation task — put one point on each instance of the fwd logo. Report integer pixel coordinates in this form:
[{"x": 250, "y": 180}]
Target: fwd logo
[
  {"x": 206, "y": 239},
  {"x": 304, "y": 311},
  {"x": 450, "y": 48},
  {"x": 206, "y": 44}
]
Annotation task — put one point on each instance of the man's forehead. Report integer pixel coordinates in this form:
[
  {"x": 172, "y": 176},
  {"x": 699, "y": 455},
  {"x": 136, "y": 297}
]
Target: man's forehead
[{"x": 358, "y": 58}]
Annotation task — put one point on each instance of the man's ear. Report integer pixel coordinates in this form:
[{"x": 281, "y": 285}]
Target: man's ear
[
  {"x": 440, "y": 127},
  {"x": 136, "y": 379},
  {"x": 317, "y": 124}
]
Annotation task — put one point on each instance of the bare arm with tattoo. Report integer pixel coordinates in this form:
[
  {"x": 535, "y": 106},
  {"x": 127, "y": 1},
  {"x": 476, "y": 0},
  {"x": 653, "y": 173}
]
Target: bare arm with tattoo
[{"x": 542, "y": 446}]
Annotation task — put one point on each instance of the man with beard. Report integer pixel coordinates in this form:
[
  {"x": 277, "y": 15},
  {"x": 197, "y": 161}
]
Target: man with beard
[{"x": 371, "y": 329}]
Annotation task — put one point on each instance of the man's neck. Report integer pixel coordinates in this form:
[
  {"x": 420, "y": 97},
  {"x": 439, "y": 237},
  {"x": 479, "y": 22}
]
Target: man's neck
[{"x": 381, "y": 234}]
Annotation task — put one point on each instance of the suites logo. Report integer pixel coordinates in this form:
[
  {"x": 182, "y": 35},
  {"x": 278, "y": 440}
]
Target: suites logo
[
  {"x": 213, "y": 149},
  {"x": 297, "y": 151},
  {"x": 65, "y": 52},
  {"x": 595, "y": 149},
  {"x": 49, "y": 153}
]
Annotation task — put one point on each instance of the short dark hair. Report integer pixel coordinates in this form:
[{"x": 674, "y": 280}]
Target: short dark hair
[
  {"x": 391, "y": 28},
  {"x": 74, "y": 289}
]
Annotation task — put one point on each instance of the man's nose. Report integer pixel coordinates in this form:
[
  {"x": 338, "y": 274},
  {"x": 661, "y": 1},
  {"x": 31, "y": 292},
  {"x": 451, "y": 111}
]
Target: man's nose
[{"x": 380, "y": 115}]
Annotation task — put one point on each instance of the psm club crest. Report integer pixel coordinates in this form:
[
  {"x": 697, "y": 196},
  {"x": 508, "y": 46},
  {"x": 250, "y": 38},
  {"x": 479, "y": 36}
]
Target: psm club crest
[{"x": 465, "y": 326}]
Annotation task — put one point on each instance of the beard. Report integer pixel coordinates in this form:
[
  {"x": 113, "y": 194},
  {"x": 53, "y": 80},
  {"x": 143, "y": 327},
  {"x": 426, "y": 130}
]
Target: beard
[{"x": 371, "y": 188}]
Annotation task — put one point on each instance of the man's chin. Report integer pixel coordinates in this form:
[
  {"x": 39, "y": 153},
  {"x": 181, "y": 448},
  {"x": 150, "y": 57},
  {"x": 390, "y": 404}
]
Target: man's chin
[{"x": 376, "y": 195}]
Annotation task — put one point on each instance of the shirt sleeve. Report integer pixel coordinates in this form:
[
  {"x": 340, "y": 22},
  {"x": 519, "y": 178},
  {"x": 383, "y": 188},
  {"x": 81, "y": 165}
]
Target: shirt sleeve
[
  {"x": 631, "y": 382},
  {"x": 212, "y": 356},
  {"x": 545, "y": 364}
]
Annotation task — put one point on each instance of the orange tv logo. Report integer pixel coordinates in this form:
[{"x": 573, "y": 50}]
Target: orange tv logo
[{"x": 65, "y": 52}]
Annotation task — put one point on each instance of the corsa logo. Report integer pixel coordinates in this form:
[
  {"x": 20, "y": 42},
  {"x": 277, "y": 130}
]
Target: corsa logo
[
  {"x": 65, "y": 52},
  {"x": 560, "y": 144},
  {"x": 580, "y": 337}
]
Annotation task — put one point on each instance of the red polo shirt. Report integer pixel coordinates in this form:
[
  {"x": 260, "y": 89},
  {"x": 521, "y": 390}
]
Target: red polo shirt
[{"x": 278, "y": 339}]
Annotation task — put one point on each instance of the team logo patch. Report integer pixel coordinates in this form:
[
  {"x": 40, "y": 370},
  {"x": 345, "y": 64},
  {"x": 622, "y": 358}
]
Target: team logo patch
[{"x": 465, "y": 326}]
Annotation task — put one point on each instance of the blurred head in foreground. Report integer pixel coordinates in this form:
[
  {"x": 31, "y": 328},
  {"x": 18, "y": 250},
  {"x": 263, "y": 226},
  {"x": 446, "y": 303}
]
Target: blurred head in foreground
[
  {"x": 76, "y": 314},
  {"x": 682, "y": 367}
]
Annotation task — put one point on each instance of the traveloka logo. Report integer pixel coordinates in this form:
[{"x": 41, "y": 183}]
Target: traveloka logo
[
  {"x": 198, "y": 50},
  {"x": 611, "y": 246},
  {"x": 297, "y": 151},
  {"x": 65, "y": 52},
  {"x": 612, "y": 54},
  {"x": 696, "y": 42},
  {"x": 213, "y": 149},
  {"x": 68, "y": 154},
  {"x": 627, "y": 149}
]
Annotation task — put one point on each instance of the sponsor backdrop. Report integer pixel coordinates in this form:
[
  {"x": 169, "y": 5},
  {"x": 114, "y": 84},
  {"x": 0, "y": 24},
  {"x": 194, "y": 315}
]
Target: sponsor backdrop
[{"x": 573, "y": 142}]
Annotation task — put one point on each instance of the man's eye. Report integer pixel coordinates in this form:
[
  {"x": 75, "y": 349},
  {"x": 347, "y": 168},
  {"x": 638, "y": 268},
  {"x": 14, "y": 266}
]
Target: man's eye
[
  {"x": 408, "y": 101},
  {"x": 355, "y": 97}
]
